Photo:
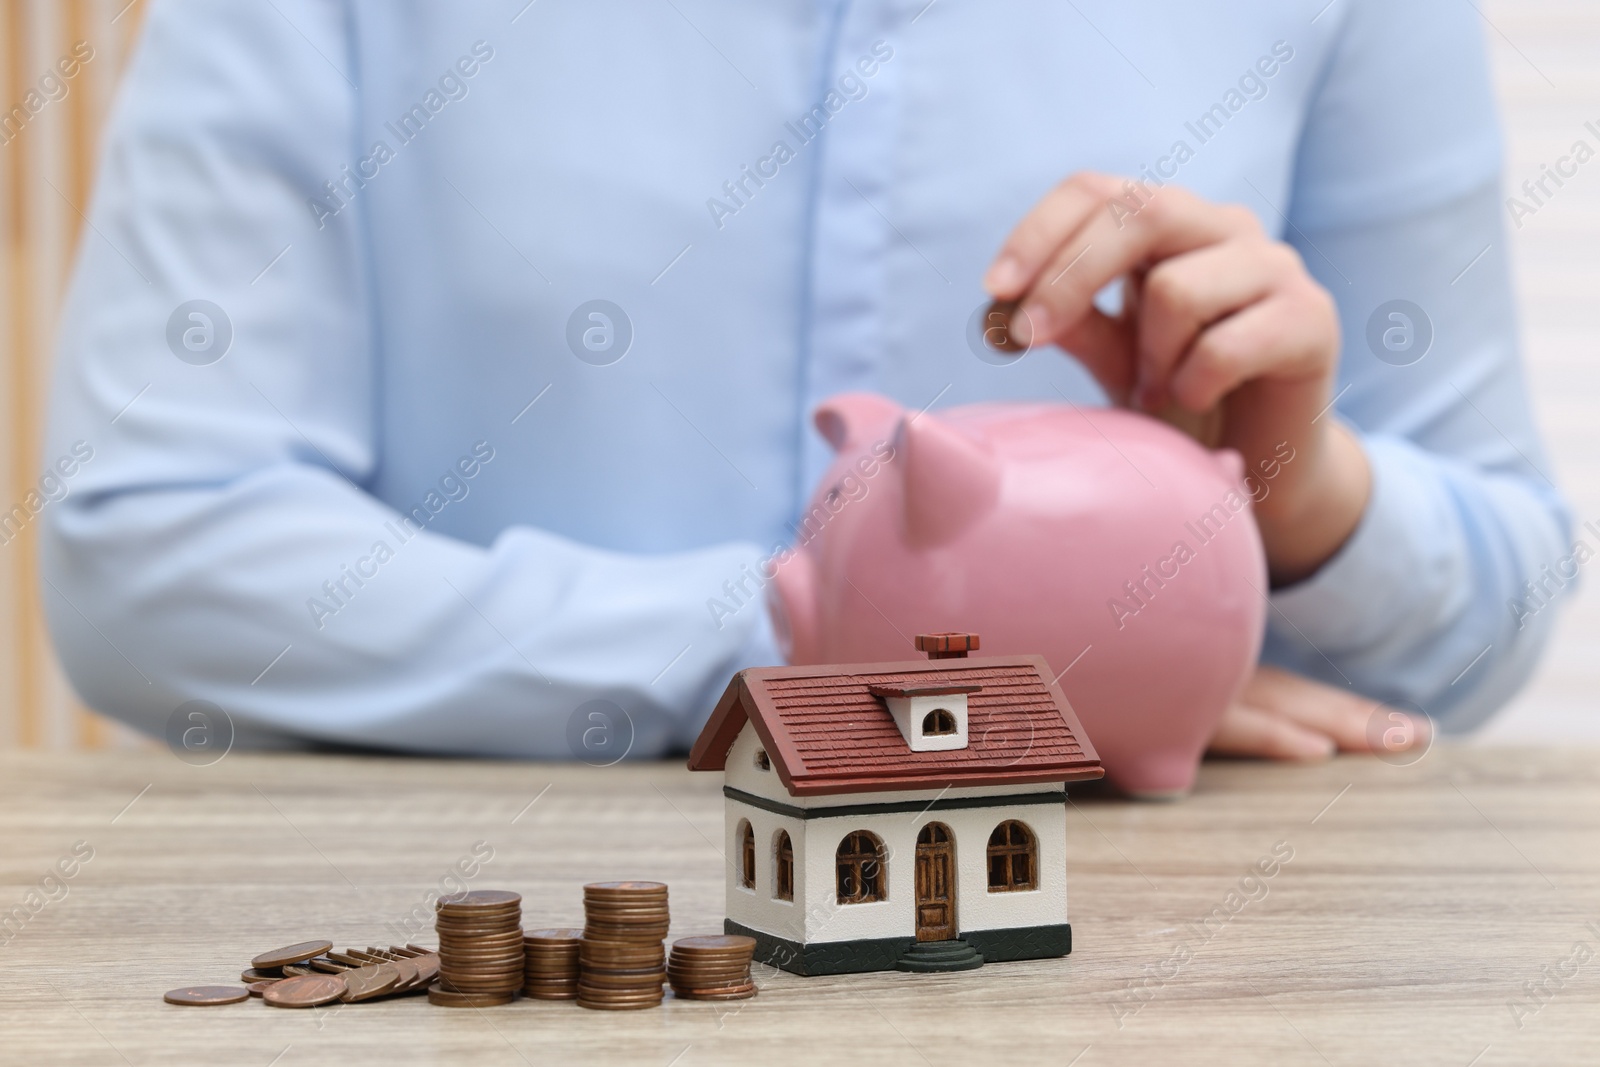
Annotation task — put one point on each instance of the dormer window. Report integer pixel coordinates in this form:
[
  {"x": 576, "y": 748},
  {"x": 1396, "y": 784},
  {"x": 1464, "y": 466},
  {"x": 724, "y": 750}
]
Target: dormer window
[
  {"x": 763, "y": 761},
  {"x": 931, "y": 715}
]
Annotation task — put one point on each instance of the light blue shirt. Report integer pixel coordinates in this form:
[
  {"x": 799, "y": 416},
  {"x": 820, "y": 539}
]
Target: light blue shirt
[{"x": 400, "y": 215}]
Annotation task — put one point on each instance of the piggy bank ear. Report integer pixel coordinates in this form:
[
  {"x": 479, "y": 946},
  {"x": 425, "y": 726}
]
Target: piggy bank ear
[
  {"x": 851, "y": 420},
  {"x": 950, "y": 480}
]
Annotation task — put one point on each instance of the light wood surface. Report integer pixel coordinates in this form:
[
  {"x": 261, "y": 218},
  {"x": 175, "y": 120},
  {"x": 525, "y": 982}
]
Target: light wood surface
[{"x": 1418, "y": 902}]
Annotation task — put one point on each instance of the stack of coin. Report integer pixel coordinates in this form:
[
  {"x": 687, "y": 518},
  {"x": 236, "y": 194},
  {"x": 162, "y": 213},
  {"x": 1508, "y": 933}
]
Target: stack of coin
[
  {"x": 550, "y": 964},
  {"x": 712, "y": 968},
  {"x": 480, "y": 948},
  {"x": 622, "y": 961}
]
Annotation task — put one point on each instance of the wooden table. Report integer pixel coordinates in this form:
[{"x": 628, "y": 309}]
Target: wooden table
[{"x": 1418, "y": 903}]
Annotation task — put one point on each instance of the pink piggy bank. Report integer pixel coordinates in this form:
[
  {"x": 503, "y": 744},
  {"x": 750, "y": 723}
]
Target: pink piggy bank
[{"x": 1105, "y": 540}]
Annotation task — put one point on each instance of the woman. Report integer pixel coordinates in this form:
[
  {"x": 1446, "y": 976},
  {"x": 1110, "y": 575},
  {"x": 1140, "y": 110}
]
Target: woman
[{"x": 440, "y": 363}]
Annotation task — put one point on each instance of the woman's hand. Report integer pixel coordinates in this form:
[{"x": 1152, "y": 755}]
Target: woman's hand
[
  {"x": 1280, "y": 715},
  {"x": 1220, "y": 324}
]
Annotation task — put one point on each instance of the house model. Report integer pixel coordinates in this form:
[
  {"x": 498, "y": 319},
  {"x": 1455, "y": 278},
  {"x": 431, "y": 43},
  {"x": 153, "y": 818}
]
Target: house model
[{"x": 898, "y": 815}]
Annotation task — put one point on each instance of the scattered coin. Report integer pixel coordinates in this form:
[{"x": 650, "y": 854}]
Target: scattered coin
[
  {"x": 258, "y": 988},
  {"x": 261, "y": 974},
  {"x": 305, "y": 950},
  {"x": 206, "y": 995},
  {"x": 305, "y": 991},
  {"x": 373, "y": 980}
]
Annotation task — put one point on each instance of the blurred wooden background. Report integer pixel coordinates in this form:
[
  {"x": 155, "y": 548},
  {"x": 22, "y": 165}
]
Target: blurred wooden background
[
  {"x": 49, "y": 128},
  {"x": 1550, "y": 86}
]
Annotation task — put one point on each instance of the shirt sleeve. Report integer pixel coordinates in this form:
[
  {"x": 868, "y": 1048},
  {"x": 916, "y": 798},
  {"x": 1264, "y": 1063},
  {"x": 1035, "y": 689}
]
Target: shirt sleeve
[
  {"x": 1442, "y": 598},
  {"x": 219, "y": 462}
]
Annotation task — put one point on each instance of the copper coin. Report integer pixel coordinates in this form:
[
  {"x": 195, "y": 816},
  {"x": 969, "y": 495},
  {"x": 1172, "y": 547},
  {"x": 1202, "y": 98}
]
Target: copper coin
[
  {"x": 604, "y": 951},
  {"x": 291, "y": 954},
  {"x": 347, "y": 958},
  {"x": 402, "y": 950},
  {"x": 742, "y": 993},
  {"x": 261, "y": 974},
  {"x": 540, "y": 994},
  {"x": 409, "y": 974},
  {"x": 716, "y": 943},
  {"x": 480, "y": 959},
  {"x": 299, "y": 970},
  {"x": 624, "y": 888},
  {"x": 427, "y": 966},
  {"x": 479, "y": 898},
  {"x": 364, "y": 983},
  {"x": 483, "y": 936},
  {"x": 258, "y": 988},
  {"x": 997, "y": 327},
  {"x": 305, "y": 991},
  {"x": 613, "y": 1005},
  {"x": 473, "y": 979},
  {"x": 508, "y": 938},
  {"x": 706, "y": 981},
  {"x": 498, "y": 911},
  {"x": 447, "y": 999},
  {"x": 488, "y": 988},
  {"x": 698, "y": 978},
  {"x": 206, "y": 995},
  {"x": 695, "y": 959},
  {"x": 328, "y": 966},
  {"x": 623, "y": 983}
]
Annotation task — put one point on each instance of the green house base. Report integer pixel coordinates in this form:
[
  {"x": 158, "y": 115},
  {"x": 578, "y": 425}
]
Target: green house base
[{"x": 880, "y": 954}]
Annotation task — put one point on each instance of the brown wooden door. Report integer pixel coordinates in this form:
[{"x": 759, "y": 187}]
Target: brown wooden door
[{"x": 936, "y": 886}]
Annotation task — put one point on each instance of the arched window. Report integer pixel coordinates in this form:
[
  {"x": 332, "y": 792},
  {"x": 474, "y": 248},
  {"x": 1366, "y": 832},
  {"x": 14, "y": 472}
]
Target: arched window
[
  {"x": 860, "y": 862},
  {"x": 783, "y": 854},
  {"x": 747, "y": 855},
  {"x": 1013, "y": 858},
  {"x": 938, "y": 723}
]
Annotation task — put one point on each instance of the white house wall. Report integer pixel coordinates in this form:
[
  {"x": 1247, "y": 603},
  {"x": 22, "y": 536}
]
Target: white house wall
[
  {"x": 976, "y": 907},
  {"x": 757, "y": 908},
  {"x": 815, "y": 914}
]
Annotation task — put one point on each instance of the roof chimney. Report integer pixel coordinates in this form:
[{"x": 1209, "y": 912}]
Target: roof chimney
[{"x": 947, "y": 645}]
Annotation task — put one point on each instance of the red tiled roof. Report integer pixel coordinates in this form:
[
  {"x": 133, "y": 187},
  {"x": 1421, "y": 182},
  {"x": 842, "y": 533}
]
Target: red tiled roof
[{"x": 826, "y": 733}]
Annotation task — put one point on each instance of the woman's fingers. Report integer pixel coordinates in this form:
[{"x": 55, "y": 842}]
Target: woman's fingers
[
  {"x": 1113, "y": 241},
  {"x": 1345, "y": 717},
  {"x": 1252, "y": 732},
  {"x": 1291, "y": 336},
  {"x": 1184, "y": 295},
  {"x": 1034, "y": 240}
]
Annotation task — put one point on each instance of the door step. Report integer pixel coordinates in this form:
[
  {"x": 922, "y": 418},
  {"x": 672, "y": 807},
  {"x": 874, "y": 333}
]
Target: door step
[{"x": 930, "y": 956}]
